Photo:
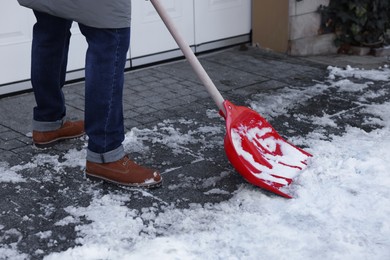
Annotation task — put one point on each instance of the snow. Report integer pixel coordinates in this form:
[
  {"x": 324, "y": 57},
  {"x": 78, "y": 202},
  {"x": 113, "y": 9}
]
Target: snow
[
  {"x": 382, "y": 75},
  {"x": 340, "y": 209},
  {"x": 9, "y": 174},
  {"x": 274, "y": 104},
  {"x": 166, "y": 134},
  {"x": 287, "y": 164}
]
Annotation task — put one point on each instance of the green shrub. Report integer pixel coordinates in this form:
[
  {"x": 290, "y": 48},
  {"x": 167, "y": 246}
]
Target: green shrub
[{"x": 357, "y": 22}]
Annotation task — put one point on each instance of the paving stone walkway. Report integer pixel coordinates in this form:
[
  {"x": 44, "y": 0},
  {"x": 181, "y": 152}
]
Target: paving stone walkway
[{"x": 159, "y": 103}]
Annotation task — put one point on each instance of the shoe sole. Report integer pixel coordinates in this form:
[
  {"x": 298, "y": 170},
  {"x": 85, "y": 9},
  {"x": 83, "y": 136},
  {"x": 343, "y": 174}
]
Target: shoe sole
[
  {"x": 54, "y": 141},
  {"x": 134, "y": 185}
]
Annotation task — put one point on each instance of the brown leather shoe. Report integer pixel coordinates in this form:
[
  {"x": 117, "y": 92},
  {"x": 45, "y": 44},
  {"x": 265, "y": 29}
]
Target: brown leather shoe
[
  {"x": 70, "y": 129},
  {"x": 124, "y": 172}
]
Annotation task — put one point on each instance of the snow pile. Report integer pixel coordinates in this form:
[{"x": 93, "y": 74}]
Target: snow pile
[
  {"x": 9, "y": 174},
  {"x": 340, "y": 210},
  {"x": 377, "y": 75},
  {"x": 279, "y": 102}
]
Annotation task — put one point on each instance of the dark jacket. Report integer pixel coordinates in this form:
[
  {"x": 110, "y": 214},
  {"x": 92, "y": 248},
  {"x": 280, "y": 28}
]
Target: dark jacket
[{"x": 94, "y": 13}]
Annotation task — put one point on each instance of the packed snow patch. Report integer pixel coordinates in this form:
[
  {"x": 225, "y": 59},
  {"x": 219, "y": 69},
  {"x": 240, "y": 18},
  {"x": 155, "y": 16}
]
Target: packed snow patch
[
  {"x": 340, "y": 209},
  {"x": 8, "y": 174},
  {"x": 382, "y": 74}
]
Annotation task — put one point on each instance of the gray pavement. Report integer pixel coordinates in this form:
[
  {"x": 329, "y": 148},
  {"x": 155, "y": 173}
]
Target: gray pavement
[{"x": 157, "y": 99}]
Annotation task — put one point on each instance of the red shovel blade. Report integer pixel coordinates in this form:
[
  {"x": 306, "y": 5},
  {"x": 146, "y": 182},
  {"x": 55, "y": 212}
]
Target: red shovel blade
[{"x": 259, "y": 153}]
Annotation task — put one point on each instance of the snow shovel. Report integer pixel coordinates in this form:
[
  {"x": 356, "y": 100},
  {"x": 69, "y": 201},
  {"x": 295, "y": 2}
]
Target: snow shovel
[{"x": 252, "y": 145}]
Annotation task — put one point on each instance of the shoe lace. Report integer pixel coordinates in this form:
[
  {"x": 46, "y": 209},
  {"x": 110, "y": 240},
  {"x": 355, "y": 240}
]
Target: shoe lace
[{"x": 126, "y": 160}]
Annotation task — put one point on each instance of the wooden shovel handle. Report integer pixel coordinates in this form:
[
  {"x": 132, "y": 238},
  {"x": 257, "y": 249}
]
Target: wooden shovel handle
[{"x": 190, "y": 56}]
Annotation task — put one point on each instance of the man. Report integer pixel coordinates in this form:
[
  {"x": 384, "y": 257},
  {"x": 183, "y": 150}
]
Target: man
[{"x": 106, "y": 27}]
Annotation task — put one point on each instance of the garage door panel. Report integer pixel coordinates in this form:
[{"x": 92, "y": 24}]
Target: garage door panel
[
  {"x": 221, "y": 19},
  {"x": 15, "y": 42},
  {"x": 149, "y": 34}
]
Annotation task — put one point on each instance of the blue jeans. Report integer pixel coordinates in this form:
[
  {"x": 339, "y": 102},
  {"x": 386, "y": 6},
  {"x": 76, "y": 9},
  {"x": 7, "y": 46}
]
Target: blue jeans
[{"x": 104, "y": 77}]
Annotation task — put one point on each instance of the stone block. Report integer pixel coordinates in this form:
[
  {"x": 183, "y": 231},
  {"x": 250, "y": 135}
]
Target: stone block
[
  {"x": 381, "y": 52},
  {"x": 315, "y": 45},
  {"x": 361, "y": 51},
  {"x": 292, "y": 7},
  {"x": 305, "y": 25},
  {"x": 307, "y": 6}
]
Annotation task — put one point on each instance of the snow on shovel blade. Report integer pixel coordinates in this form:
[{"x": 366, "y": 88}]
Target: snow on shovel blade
[{"x": 259, "y": 153}]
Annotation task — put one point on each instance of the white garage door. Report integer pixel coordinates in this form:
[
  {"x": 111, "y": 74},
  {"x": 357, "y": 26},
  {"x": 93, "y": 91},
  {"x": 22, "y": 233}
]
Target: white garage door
[
  {"x": 221, "y": 22},
  {"x": 16, "y": 25},
  {"x": 205, "y": 24},
  {"x": 15, "y": 43},
  {"x": 149, "y": 35}
]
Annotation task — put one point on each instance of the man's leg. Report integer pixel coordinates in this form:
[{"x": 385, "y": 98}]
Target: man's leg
[
  {"x": 104, "y": 77},
  {"x": 49, "y": 58}
]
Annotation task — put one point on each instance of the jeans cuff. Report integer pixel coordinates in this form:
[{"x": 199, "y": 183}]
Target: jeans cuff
[
  {"x": 111, "y": 156},
  {"x": 42, "y": 126}
]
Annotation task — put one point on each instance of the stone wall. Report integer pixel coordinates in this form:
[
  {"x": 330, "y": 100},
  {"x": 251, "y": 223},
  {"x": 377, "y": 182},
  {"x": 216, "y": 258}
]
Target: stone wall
[{"x": 304, "y": 24}]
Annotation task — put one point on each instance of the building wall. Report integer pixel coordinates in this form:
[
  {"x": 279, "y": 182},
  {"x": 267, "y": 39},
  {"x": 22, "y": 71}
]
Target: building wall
[
  {"x": 304, "y": 23},
  {"x": 290, "y": 27},
  {"x": 270, "y": 24}
]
